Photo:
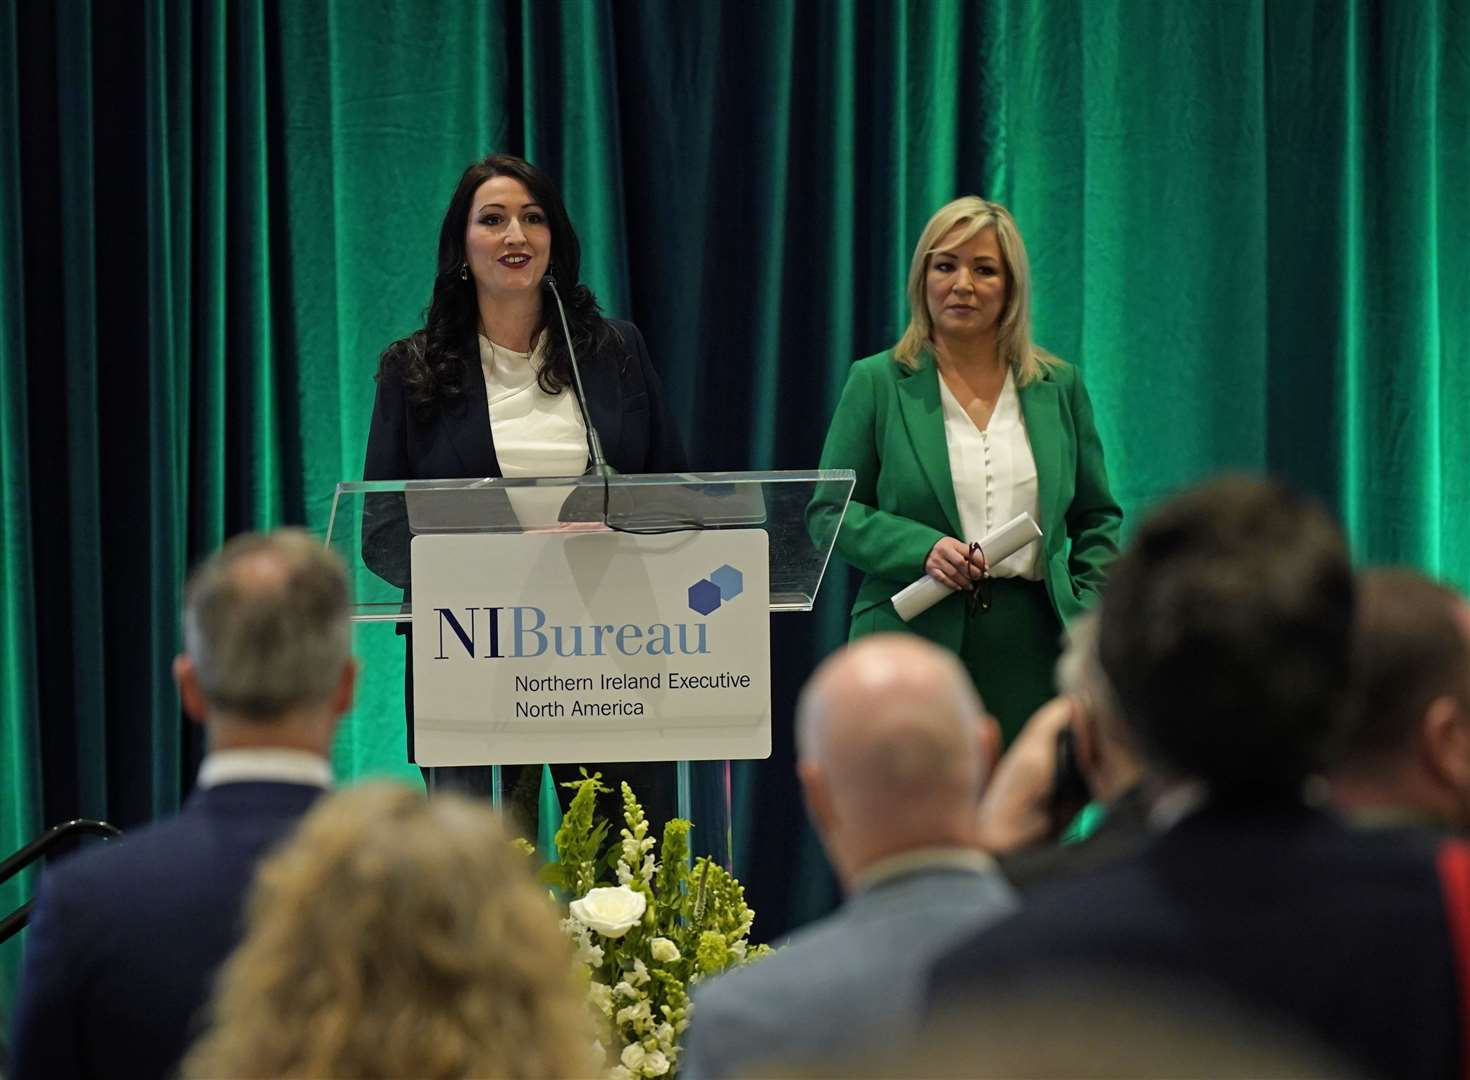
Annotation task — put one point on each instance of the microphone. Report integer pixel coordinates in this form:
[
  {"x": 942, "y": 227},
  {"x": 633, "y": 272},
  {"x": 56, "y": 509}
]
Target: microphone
[{"x": 594, "y": 441}]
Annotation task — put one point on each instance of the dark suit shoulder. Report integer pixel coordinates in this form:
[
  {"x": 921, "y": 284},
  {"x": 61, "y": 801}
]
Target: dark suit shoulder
[
  {"x": 234, "y": 820},
  {"x": 1289, "y": 913}
]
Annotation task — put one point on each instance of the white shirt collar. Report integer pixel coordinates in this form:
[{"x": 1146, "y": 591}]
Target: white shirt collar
[
  {"x": 1176, "y": 804},
  {"x": 273, "y": 764},
  {"x": 968, "y": 860}
]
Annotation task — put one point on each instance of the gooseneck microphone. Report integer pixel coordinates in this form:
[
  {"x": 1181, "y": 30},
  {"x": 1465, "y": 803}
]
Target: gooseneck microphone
[{"x": 594, "y": 441}]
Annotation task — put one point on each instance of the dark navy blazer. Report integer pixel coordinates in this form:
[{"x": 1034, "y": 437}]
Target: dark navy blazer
[
  {"x": 126, "y": 937},
  {"x": 1341, "y": 934},
  {"x": 624, "y": 400}
]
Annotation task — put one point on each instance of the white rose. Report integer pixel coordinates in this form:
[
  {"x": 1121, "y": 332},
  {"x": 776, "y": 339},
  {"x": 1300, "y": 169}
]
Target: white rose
[
  {"x": 612, "y": 912},
  {"x": 663, "y": 950},
  {"x": 655, "y": 1064},
  {"x": 633, "y": 1055}
]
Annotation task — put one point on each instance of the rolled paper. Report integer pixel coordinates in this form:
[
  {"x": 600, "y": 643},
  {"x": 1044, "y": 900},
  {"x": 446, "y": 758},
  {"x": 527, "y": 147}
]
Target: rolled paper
[{"x": 913, "y": 600}]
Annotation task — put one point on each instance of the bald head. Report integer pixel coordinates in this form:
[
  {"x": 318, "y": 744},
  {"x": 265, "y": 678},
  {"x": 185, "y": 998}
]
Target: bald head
[{"x": 893, "y": 746}]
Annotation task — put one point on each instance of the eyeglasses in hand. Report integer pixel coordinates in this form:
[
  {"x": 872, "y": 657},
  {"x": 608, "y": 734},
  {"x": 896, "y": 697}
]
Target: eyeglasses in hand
[{"x": 978, "y": 596}]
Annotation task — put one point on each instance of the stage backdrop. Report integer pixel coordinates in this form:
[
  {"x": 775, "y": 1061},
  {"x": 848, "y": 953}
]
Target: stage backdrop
[{"x": 1247, "y": 225}]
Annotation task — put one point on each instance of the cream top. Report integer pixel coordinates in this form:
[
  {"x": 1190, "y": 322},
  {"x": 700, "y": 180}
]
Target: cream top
[
  {"x": 994, "y": 473},
  {"x": 535, "y": 433}
]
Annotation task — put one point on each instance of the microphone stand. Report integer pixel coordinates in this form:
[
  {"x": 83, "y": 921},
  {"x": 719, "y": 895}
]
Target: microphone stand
[{"x": 599, "y": 466}]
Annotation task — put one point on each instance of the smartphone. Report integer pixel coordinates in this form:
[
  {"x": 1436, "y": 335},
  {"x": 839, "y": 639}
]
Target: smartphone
[{"x": 1069, "y": 790}]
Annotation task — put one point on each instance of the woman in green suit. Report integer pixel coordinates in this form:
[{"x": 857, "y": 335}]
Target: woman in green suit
[{"x": 956, "y": 429}]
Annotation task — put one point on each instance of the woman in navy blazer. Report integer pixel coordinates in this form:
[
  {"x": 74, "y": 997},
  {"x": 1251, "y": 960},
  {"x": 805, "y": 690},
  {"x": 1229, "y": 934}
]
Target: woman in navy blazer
[{"x": 505, "y": 230}]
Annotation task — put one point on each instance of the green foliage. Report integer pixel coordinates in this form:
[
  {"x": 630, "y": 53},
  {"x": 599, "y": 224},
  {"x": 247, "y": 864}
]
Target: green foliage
[
  {"x": 579, "y": 840},
  {"x": 695, "y": 924}
]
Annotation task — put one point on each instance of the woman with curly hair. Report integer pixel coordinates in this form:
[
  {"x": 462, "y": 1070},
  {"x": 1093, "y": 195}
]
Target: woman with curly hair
[
  {"x": 486, "y": 389},
  {"x": 397, "y": 936}
]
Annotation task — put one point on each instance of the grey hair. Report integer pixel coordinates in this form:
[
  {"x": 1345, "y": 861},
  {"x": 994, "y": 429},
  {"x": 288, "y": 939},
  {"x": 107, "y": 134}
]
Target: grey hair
[{"x": 266, "y": 623}]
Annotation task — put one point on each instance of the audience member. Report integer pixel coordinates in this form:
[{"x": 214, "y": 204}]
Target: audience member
[
  {"x": 1225, "y": 635},
  {"x": 398, "y": 936},
  {"x": 1074, "y": 748},
  {"x": 893, "y": 746},
  {"x": 125, "y": 938},
  {"x": 1404, "y": 756}
]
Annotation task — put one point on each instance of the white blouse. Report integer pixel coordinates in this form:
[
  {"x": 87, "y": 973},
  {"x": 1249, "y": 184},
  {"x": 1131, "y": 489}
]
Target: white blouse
[
  {"x": 535, "y": 433},
  {"x": 994, "y": 473}
]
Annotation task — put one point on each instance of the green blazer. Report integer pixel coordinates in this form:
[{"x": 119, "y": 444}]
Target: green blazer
[{"x": 889, "y": 429}]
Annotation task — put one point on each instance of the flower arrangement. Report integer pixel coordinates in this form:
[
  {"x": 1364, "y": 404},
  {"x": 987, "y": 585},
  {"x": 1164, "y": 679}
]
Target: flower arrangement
[{"x": 646, "y": 941}]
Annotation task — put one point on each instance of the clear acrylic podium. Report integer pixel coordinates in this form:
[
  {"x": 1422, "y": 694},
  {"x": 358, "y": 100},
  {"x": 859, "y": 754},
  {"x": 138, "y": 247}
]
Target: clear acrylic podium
[{"x": 372, "y": 523}]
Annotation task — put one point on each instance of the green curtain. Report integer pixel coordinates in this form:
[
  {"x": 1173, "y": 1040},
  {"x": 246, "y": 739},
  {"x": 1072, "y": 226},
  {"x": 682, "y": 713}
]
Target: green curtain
[{"x": 1247, "y": 224}]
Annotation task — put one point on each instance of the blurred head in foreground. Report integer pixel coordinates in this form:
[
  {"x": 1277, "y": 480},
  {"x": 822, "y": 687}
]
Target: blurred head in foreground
[
  {"x": 267, "y": 658},
  {"x": 1225, "y": 634},
  {"x": 893, "y": 748},
  {"x": 397, "y": 936},
  {"x": 1404, "y": 753}
]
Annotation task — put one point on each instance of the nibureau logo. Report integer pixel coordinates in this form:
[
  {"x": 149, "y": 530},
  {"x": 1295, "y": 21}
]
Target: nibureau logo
[
  {"x": 522, "y": 631},
  {"x": 722, "y": 586}
]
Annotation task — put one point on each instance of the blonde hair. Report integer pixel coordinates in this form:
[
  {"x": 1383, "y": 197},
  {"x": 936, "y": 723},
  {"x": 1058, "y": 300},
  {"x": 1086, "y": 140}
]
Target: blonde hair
[
  {"x": 971, "y": 214},
  {"x": 397, "y": 936}
]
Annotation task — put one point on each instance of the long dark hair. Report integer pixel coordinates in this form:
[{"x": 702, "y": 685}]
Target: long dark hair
[{"x": 433, "y": 362}]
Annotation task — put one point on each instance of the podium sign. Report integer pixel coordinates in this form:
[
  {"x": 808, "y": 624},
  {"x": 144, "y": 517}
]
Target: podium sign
[{"x": 576, "y": 646}]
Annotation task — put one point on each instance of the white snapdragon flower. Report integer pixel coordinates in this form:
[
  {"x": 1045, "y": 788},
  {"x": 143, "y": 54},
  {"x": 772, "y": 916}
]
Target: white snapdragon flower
[
  {"x": 663, "y": 950},
  {"x": 602, "y": 996},
  {"x": 625, "y": 989},
  {"x": 612, "y": 912},
  {"x": 655, "y": 1064},
  {"x": 639, "y": 1015},
  {"x": 619, "y": 1072},
  {"x": 640, "y": 972},
  {"x": 633, "y": 1056}
]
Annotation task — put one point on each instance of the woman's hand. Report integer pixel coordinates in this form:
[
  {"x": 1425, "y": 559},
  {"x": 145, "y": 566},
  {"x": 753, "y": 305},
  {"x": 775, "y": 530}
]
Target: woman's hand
[{"x": 950, "y": 563}]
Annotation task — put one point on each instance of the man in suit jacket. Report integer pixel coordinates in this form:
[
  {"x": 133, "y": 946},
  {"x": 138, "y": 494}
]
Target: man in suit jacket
[
  {"x": 893, "y": 748},
  {"x": 125, "y": 938},
  {"x": 1225, "y": 636}
]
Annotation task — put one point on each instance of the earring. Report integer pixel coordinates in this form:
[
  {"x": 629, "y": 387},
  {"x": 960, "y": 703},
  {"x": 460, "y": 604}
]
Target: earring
[{"x": 464, "y": 271}]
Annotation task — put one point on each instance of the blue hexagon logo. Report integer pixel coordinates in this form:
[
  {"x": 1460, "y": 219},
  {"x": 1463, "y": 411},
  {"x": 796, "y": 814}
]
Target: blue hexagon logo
[
  {"x": 704, "y": 596},
  {"x": 730, "y": 581}
]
